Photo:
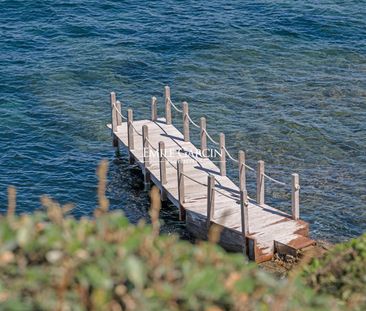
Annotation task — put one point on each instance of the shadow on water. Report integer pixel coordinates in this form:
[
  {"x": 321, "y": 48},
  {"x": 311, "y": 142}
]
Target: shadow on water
[{"x": 126, "y": 192}]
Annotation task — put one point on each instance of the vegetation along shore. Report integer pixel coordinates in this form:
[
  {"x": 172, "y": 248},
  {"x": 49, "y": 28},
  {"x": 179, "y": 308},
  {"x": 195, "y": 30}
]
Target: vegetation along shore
[{"x": 52, "y": 261}]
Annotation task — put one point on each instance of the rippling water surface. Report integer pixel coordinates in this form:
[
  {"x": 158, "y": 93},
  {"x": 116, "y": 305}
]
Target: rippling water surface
[{"x": 285, "y": 80}]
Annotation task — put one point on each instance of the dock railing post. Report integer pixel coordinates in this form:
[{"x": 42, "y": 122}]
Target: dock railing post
[
  {"x": 119, "y": 112},
  {"x": 242, "y": 177},
  {"x": 181, "y": 193},
  {"x": 154, "y": 109},
  {"x": 210, "y": 200},
  {"x": 185, "y": 122},
  {"x": 162, "y": 167},
  {"x": 203, "y": 137},
  {"x": 168, "y": 108},
  {"x": 113, "y": 109},
  {"x": 295, "y": 197},
  {"x": 260, "y": 182},
  {"x": 146, "y": 155},
  {"x": 114, "y": 118},
  {"x": 222, "y": 155},
  {"x": 244, "y": 203},
  {"x": 145, "y": 144},
  {"x": 131, "y": 142}
]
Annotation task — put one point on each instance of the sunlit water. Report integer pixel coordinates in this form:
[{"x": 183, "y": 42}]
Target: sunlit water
[{"x": 285, "y": 80}]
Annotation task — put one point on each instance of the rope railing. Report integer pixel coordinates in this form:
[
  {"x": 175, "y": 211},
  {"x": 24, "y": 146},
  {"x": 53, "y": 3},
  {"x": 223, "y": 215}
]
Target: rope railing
[
  {"x": 236, "y": 161},
  {"x": 175, "y": 107},
  {"x": 194, "y": 180},
  {"x": 169, "y": 162},
  {"x": 119, "y": 112},
  {"x": 205, "y": 185},
  {"x": 149, "y": 142},
  {"x": 252, "y": 169},
  {"x": 137, "y": 132},
  {"x": 181, "y": 111},
  {"x": 249, "y": 168},
  {"x": 226, "y": 195},
  {"x": 193, "y": 123},
  {"x": 210, "y": 138},
  {"x": 190, "y": 120},
  {"x": 226, "y": 151},
  {"x": 230, "y": 156},
  {"x": 217, "y": 143},
  {"x": 275, "y": 180}
]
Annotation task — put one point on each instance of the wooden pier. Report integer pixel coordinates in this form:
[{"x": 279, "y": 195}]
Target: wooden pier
[{"x": 204, "y": 195}]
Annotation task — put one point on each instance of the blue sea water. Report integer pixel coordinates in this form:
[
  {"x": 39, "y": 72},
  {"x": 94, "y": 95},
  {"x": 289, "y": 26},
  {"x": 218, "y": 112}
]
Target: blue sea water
[{"x": 285, "y": 81}]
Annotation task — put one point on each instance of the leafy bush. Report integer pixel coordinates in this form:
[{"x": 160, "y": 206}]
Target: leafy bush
[
  {"x": 49, "y": 261},
  {"x": 341, "y": 273},
  {"x": 108, "y": 264}
]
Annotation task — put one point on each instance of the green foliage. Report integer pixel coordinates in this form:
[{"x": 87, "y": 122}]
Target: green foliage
[
  {"x": 341, "y": 273},
  {"x": 107, "y": 264}
]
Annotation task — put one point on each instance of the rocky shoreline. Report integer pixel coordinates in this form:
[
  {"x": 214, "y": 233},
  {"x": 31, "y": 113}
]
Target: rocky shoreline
[{"x": 281, "y": 265}]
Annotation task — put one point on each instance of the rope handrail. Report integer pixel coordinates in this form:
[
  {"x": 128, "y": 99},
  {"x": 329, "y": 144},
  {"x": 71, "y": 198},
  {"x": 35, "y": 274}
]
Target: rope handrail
[
  {"x": 119, "y": 112},
  {"x": 210, "y": 138},
  {"x": 194, "y": 180},
  {"x": 249, "y": 168},
  {"x": 149, "y": 142},
  {"x": 190, "y": 120},
  {"x": 137, "y": 132},
  {"x": 201, "y": 183},
  {"x": 229, "y": 155},
  {"x": 275, "y": 180},
  {"x": 163, "y": 155},
  {"x": 175, "y": 107},
  {"x": 226, "y": 195},
  {"x": 252, "y": 169},
  {"x": 205, "y": 185}
]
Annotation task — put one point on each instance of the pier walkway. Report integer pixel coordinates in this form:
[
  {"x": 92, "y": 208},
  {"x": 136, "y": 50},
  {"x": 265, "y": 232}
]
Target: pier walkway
[{"x": 200, "y": 189}]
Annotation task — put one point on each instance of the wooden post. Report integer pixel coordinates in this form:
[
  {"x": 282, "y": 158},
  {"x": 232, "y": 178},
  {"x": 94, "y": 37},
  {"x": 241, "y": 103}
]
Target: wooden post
[
  {"x": 181, "y": 193},
  {"x": 114, "y": 118},
  {"x": 242, "y": 177},
  {"x": 119, "y": 112},
  {"x": 168, "y": 108},
  {"x": 154, "y": 109},
  {"x": 244, "y": 212},
  {"x": 131, "y": 142},
  {"x": 260, "y": 182},
  {"x": 162, "y": 163},
  {"x": 162, "y": 167},
  {"x": 210, "y": 199},
  {"x": 222, "y": 155},
  {"x": 185, "y": 122},
  {"x": 145, "y": 144},
  {"x": 203, "y": 137},
  {"x": 146, "y": 156},
  {"x": 114, "y": 114},
  {"x": 295, "y": 198}
]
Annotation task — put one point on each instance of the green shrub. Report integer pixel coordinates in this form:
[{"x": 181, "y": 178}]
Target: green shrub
[
  {"x": 52, "y": 262},
  {"x": 108, "y": 264},
  {"x": 341, "y": 273}
]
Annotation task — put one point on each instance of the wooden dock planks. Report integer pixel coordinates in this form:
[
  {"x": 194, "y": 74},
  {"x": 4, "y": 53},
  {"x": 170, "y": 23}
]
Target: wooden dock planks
[{"x": 267, "y": 225}]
